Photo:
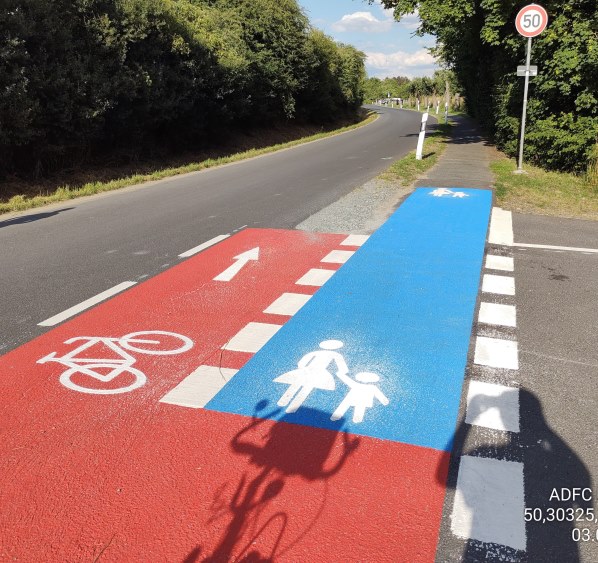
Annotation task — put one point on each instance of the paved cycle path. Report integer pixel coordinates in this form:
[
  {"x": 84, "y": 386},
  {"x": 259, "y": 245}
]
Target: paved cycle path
[{"x": 333, "y": 440}]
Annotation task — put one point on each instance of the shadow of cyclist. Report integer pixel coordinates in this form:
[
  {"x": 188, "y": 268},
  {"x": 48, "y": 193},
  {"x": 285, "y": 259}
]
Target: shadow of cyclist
[
  {"x": 276, "y": 451},
  {"x": 549, "y": 465}
]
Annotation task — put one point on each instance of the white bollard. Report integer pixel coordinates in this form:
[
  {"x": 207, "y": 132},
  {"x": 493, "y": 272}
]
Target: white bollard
[{"x": 420, "y": 142}]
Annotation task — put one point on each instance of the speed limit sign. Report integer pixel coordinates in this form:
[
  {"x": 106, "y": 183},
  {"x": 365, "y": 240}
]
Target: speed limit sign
[{"x": 531, "y": 20}]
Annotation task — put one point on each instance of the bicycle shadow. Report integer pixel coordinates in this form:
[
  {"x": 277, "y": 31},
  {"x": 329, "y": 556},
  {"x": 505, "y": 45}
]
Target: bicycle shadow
[
  {"x": 549, "y": 464},
  {"x": 273, "y": 459}
]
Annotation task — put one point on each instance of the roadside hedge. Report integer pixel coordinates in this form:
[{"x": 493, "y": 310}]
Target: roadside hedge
[
  {"x": 81, "y": 77},
  {"x": 478, "y": 40}
]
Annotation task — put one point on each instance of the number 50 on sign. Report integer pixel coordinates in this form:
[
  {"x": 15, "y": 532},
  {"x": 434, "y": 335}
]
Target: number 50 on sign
[{"x": 531, "y": 20}]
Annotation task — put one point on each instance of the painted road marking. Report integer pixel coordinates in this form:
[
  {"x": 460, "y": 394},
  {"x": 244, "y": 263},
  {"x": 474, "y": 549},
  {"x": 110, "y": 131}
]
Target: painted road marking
[
  {"x": 199, "y": 387},
  {"x": 505, "y": 263},
  {"x": 288, "y": 304},
  {"x": 497, "y": 314},
  {"x": 241, "y": 260},
  {"x": 316, "y": 277},
  {"x": 502, "y": 285},
  {"x": 120, "y": 361},
  {"x": 411, "y": 338},
  {"x": 252, "y": 337},
  {"x": 489, "y": 502},
  {"x": 562, "y": 248},
  {"x": 501, "y": 227},
  {"x": 493, "y": 406},
  {"x": 203, "y": 246},
  {"x": 441, "y": 192},
  {"x": 338, "y": 256},
  {"x": 56, "y": 319},
  {"x": 355, "y": 240},
  {"x": 496, "y": 353},
  {"x": 191, "y": 460},
  {"x": 312, "y": 373}
]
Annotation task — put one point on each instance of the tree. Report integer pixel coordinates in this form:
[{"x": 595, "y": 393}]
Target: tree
[{"x": 477, "y": 39}]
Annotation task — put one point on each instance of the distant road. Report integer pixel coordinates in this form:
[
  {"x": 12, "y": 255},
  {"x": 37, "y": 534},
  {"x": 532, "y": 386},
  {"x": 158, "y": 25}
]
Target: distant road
[{"x": 53, "y": 258}]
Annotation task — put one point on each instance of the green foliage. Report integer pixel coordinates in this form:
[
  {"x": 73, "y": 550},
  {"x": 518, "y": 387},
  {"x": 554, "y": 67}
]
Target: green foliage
[
  {"x": 478, "y": 40},
  {"x": 403, "y": 87},
  {"x": 85, "y": 76}
]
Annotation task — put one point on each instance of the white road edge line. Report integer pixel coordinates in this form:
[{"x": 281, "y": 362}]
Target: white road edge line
[
  {"x": 87, "y": 304},
  {"x": 549, "y": 247},
  {"x": 203, "y": 246},
  {"x": 501, "y": 227},
  {"x": 489, "y": 502},
  {"x": 492, "y": 406},
  {"x": 200, "y": 387}
]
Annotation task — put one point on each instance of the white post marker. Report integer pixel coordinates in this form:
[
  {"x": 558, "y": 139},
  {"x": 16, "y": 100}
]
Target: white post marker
[
  {"x": 241, "y": 260},
  {"x": 530, "y": 22},
  {"x": 420, "y": 141}
]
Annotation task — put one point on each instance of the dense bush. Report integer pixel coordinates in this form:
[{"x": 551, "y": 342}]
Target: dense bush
[
  {"x": 479, "y": 40},
  {"x": 81, "y": 76}
]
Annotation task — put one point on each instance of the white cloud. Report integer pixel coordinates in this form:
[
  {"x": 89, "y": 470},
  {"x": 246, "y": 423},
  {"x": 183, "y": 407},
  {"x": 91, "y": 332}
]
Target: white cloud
[
  {"x": 401, "y": 63},
  {"x": 389, "y": 13},
  {"x": 410, "y": 21},
  {"x": 364, "y": 22}
]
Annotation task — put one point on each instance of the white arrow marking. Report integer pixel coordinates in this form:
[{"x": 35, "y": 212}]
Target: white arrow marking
[{"x": 241, "y": 260}]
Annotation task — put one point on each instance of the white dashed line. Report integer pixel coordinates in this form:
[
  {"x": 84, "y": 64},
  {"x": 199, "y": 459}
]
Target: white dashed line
[
  {"x": 203, "y": 246},
  {"x": 489, "y": 502},
  {"x": 338, "y": 256},
  {"x": 502, "y": 285},
  {"x": 501, "y": 227},
  {"x": 493, "y": 406},
  {"x": 504, "y": 263},
  {"x": 496, "y": 314},
  {"x": 198, "y": 388},
  {"x": 288, "y": 304},
  {"x": 252, "y": 337},
  {"x": 87, "y": 304},
  {"x": 316, "y": 277},
  {"x": 496, "y": 353},
  {"x": 355, "y": 240}
]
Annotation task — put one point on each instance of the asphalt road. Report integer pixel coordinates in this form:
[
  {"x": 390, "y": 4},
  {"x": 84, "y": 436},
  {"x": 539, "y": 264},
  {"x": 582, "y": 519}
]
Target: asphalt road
[
  {"x": 53, "y": 258},
  {"x": 558, "y": 334}
]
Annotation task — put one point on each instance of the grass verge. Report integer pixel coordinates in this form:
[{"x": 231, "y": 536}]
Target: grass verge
[
  {"x": 22, "y": 202},
  {"x": 543, "y": 192},
  {"x": 406, "y": 170}
]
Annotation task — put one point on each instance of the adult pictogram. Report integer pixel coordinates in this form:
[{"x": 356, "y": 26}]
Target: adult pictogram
[{"x": 313, "y": 373}]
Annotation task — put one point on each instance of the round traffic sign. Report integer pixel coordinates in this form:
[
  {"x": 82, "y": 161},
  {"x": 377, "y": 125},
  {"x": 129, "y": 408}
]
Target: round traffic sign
[{"x": 531, "y": 20}]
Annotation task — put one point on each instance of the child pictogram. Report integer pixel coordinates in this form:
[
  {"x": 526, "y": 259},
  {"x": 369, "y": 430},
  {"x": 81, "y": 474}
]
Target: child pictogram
[{"x": 313, "y": 372}]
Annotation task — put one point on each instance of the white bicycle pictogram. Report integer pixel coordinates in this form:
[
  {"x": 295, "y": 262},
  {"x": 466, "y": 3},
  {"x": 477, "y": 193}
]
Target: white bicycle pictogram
[{"x": 143, "y": 342}]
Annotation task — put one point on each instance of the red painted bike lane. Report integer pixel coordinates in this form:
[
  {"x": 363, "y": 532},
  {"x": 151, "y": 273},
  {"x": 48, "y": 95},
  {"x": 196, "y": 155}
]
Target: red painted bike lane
[{"x": 126, "y": 477}]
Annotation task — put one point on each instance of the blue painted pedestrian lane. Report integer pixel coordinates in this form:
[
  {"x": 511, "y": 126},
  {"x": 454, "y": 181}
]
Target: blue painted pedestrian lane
[{"x": 381, "y": 348}]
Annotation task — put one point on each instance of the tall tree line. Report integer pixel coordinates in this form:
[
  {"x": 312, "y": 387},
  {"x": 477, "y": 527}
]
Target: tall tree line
[
  {"x": 78, "y": 77},
  {"x": 418, "y": 87},
  {"x": 478, "y": 39}
]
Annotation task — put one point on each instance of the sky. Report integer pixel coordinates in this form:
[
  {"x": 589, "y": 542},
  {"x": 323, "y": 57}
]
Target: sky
[{"x": 390, "y": 48}]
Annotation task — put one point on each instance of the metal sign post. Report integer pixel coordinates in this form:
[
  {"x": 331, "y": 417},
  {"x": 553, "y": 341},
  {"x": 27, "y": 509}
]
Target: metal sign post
[
  {"x": 523, "y": 115},
  {"x": 530, "y": 22}
]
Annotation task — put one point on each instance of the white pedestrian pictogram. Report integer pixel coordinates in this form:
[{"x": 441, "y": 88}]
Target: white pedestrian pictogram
[
  {"x": 313, "y": 373},
  {"x": 441, "y": 192},
  {"x": 360, "y": 396},
  {"x": 143, "y": 342}
]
